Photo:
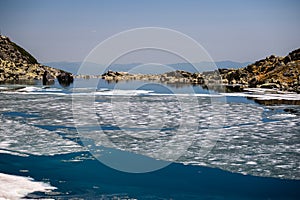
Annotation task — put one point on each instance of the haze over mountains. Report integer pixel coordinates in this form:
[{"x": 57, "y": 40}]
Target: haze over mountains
[{"x": 73, "y": 67}]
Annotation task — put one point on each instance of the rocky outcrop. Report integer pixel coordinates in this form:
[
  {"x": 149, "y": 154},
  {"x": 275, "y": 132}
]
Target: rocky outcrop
[
  {"x": 17, "y": 65},
  {"x": 11, "y": 71},
  {"x": 282, "y": 73},
  {"x": 273, "y": 72}
]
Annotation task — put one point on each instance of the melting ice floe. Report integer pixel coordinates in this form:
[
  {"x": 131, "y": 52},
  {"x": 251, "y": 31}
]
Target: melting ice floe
[
  {"x": 15, "y": 187},
  {"x": 251, "y": 134},
  {"x": 22, "y": 139},
  {"x": 265, "y": 94}
]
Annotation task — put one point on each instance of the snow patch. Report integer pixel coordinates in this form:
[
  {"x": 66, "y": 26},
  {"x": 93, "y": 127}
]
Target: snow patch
[{"x": 15, "y": 187}]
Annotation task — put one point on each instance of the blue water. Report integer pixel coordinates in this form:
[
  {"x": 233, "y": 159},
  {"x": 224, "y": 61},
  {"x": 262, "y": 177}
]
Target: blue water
[
  {"x": 90, "y": 179},
  {"x": 77, "y": 174},
  {"x": 140, "y": 85}
]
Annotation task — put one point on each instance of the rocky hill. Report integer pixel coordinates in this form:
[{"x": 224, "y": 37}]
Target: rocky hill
[{"x": 16, "y": 64}]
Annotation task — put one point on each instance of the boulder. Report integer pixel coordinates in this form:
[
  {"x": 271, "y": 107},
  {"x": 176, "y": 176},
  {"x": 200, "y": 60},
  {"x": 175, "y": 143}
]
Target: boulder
[
  {"x": 65, "y": 79},
  {"x": 287, "y": 59},
  {"x": 48, "y": 79}
]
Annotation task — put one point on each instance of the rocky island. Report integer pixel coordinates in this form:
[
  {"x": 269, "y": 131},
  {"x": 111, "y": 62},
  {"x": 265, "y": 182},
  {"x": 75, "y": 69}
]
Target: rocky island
[{"x": 17, "y": 66}]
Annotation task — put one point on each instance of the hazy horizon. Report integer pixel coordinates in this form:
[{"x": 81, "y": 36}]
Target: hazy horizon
[{"x": 63, "y": 61}]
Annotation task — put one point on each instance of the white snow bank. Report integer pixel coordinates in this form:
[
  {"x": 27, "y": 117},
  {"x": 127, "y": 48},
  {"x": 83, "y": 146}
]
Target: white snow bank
[{"x": 15, "y": 187}]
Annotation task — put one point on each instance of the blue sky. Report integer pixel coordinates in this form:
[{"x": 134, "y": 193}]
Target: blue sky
[{"x": 67, "y": 30}]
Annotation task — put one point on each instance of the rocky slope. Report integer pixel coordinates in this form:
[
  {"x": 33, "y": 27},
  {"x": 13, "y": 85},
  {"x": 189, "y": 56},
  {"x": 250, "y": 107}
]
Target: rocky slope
[
  {"x": 16, "y": 64},
  {"x": 282, "y": 73},
  {"x": 272, "y": 72}
]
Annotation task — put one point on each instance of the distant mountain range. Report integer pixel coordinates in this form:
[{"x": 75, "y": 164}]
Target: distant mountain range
[{"x": 73, "y": 67}]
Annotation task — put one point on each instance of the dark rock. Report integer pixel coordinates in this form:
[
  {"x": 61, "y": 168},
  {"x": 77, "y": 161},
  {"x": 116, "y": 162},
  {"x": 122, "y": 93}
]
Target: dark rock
[
  {"x": 233, "y": 88},
  {"x": 272, "y": 57},
  {"x": 250, "y": 68},
  {"x": 201, "y": 80},
  {"x": 119, "y": 74},
  {"x": 110, "y": 73},
  {"x": 48, "y": 79},
  {"x": 65, "y": 79},
  {"x": 233, "y": 76},
  {"x": 185, "y": 74},
  {"x": 270, "y": 68},
  {"x": 243, "y": 75},
  {"x": 287, "y": 59},
  {"x": 291, "y": 110},
  {"x": 253, "y": 82},
  {"x": 295, "y": 55}
]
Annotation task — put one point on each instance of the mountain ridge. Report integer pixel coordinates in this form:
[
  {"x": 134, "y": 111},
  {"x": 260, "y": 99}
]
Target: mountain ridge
[{"x": 202, "y": 66}]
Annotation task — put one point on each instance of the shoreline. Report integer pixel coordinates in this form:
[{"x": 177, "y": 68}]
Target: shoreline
[
  {"x": 273, "y": 72},
  {"x": 261, "y": 96}
]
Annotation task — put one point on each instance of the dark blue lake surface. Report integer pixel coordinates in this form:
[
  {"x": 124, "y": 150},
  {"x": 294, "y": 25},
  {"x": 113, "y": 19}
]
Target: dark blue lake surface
[{"x": 90, "y": 179}]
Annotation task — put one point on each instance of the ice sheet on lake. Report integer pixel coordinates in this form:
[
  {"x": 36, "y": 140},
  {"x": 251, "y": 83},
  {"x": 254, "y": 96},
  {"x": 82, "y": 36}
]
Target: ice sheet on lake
[
  {"x": 22, "y": 139},
  {"x": 239, "y": 137}
]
